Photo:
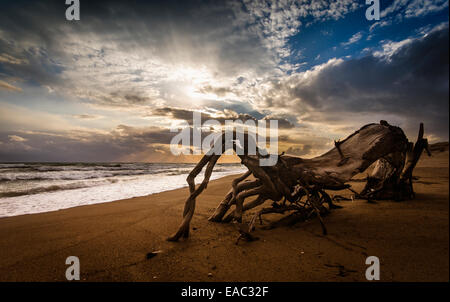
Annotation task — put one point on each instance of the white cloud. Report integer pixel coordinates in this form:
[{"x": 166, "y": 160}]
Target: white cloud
[
  {"x": 353, "y": 39},
  {"x": 414, "y": 8},
  {"x": 16, "y": 138},
  {"x": 380, "y": 24},
  {"x": 419, "y": 8},
  {"x": 390, "y": 47}
]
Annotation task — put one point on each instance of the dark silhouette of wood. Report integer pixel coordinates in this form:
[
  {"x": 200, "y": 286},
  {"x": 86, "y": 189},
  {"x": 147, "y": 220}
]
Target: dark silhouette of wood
[
  {"x": 391, "y": 177},
  {"x": 298, "y": 185}
]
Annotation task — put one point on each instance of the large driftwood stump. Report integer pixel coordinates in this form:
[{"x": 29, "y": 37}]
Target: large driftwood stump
[
  {"x": 297, "y": 186},
  {"x": 392, "y": 176}
]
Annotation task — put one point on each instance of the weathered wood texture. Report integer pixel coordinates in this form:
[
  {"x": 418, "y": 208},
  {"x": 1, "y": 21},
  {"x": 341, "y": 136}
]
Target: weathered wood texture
[{"x": 298, "y": 185}]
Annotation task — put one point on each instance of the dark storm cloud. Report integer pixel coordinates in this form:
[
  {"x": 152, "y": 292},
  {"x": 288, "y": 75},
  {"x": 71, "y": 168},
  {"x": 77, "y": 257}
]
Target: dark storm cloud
[
  {"x": 123, "y": 143},
  {"x": 199, "y": 27},
  {"x": 283, "y": 123},
  {"x": 121, "y": 99},
  {"x": 187, "y": 115},
  {"x": 411, "y": 81},
  {"x": 82, "y": 146},
  {"x": 235, "y": 106},
  {"x": 32, "y": 64},
  {"x": 177, "y": 113},
  {"x": 221, "y": 117},
  {"x": 30, "y": 32},
  {"x": 416, "y": 72}
]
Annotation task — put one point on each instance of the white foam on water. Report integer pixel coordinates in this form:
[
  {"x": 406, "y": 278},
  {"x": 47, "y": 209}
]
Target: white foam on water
[{"x": 125, "y": 187}]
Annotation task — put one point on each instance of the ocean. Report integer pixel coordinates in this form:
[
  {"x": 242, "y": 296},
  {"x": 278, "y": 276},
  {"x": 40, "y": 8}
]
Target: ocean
[{"x": 27, "y": 188}]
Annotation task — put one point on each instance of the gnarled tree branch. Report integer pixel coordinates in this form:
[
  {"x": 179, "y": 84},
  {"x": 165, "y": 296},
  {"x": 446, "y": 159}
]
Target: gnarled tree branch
[{"x": 301, "y": 183}]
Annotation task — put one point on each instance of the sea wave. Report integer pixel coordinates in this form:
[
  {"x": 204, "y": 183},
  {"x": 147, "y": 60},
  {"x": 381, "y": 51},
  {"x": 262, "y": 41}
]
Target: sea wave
[
  {"x": 57, "y": 187},
  {"x": 66, "y": 176},
  {"x": 43, "y": 175},
  {"x": 43, "y": 194}
]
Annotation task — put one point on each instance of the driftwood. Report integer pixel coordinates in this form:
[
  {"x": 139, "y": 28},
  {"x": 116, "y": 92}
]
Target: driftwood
[
  {"x": 391, "y": 177},
  {"x": 297, "y": 186}
]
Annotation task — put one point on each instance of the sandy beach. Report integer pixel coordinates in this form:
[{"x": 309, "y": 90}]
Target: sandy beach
[{"x": 112, "y": 239}]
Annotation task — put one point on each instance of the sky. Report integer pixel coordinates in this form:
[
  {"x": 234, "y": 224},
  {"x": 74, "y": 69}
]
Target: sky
[{"x": 109, "y": 86}]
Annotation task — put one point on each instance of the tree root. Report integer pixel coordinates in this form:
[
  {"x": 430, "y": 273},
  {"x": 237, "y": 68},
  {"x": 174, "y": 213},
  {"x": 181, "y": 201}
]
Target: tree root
[{"x": 298, "y": 185}]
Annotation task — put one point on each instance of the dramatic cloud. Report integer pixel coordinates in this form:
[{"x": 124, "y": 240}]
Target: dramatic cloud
[
  {"x": 220, "y": 116},
  {"x": 121, "y": 144},
  {"x": 118, "y": 78},
  {"x": 122, "y": 55},
  {"x": 407, "y": 80}
]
